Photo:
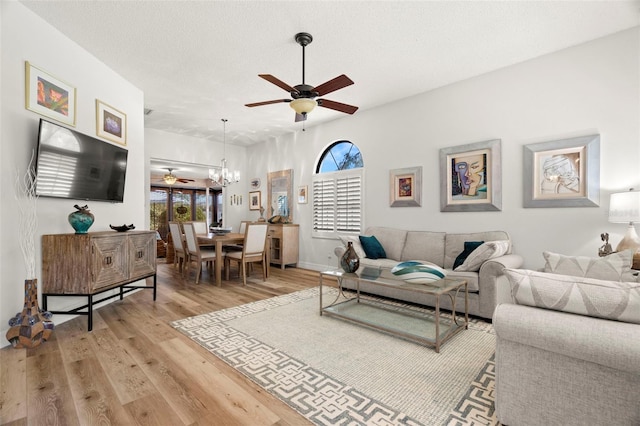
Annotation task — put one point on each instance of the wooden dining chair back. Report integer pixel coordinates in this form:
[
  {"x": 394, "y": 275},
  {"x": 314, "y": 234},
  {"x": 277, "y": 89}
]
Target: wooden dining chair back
[
  {"x": 241, "y": 230},
  {"x": 196, "y": 253},
  {"x": 200, "y": 227},
  {"x": 253, "y": 250},
  {"x": 180, "y": 253}
]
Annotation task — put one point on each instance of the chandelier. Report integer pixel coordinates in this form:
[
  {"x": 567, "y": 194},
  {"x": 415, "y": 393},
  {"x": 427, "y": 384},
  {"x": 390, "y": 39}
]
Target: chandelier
[{"x": 224, "y": 177}]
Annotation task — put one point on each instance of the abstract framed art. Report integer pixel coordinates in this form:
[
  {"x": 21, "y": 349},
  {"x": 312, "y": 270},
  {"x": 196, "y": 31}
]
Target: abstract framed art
[
  {"x": 405, "y": 187},
  {"x": 471, "y": 177},
  {"x": 562, "y": 173},
  {"x": 255, "y": 200},
  {"x": 49, "y": 96},
  {"x": 303, "y": 194},
  {"x": 111, "y": 124}
]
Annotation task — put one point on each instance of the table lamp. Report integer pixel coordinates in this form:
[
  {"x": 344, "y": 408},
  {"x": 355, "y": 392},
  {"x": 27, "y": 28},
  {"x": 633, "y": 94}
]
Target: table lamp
[{"x": 624, "y": 207}]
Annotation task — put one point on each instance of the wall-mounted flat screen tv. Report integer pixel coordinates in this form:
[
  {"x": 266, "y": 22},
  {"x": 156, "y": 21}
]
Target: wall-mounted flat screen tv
[{"x": 77, "y": 166}]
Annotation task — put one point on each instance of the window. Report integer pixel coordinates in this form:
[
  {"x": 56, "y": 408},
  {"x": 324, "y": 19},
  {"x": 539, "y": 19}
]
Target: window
[{"x": 338, "y": 191}]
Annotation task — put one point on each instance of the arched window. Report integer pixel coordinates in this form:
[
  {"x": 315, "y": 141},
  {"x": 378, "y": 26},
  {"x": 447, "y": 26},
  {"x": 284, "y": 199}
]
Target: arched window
[{"x": 338, "y": 191}]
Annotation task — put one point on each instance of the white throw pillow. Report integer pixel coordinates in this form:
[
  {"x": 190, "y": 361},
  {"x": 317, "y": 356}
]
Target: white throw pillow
[
  {"x": 486, "y": 251},
  {"x": 614, "y": 300},
  {"x": 355, "y": 241},
  {"x": 615, "y": 267}
]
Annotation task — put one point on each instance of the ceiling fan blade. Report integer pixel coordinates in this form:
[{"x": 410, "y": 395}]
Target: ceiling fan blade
[
  {"x": 276, "y": 101},
  {"x": 332, "y": 85},
  {"x": 338, "y": 106},
  {"x": 301, "y": 117},
  {"x": 281, "y": 84}
]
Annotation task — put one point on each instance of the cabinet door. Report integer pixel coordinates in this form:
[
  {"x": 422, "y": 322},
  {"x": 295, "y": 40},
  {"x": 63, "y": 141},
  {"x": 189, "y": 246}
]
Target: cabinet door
[
  {"x": 109, "y": 255},
  {"x": 142, "y": 254}
]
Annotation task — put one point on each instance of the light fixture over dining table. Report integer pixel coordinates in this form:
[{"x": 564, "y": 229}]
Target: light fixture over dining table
[{"x": 223, "y": 176}]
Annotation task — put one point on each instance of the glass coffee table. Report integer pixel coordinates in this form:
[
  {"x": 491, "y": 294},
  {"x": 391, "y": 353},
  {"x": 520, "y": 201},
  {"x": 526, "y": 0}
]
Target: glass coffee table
[{"x": 397, "y": 318}]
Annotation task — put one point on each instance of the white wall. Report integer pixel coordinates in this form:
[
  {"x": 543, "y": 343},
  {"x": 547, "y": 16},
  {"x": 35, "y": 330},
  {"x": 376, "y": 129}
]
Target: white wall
[
  {"x": 26, "y": 37},
  {"x": 187, "y": 149},
  {"x": 591, "y": 88}
]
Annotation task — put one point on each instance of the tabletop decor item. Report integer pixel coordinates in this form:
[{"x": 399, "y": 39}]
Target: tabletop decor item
[
  {"x": 82, "y": 219},
  {"x": 32, "y": 326},
  {"x": 416, "y": 272},
  {"x": 350, "y": 261},
  {"x": 123, "y": 228}
]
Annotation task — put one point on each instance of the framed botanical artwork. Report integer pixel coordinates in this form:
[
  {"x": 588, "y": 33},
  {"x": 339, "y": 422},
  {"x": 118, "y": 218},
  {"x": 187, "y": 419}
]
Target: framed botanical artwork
[
  {"x": 111, "y": 124},
  {"x": 303, "y": 192},
  {"x": 562, "y": 173},
  {"x": 49, "y": 96},
  {"x": 405, "y": 187},
  {"x": 470, "y": 177},
  {"x": 255, "y": 200}
]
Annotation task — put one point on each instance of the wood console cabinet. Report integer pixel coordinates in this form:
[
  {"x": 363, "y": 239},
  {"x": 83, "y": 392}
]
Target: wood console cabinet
[
  {"x": 284, "y": 244},
  {"x": 89, "y": 264}
]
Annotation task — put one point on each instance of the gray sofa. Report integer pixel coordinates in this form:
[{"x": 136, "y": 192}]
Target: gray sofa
[
  {"x": 442, "y": 248},
  {"x": 556, "y": 366}
]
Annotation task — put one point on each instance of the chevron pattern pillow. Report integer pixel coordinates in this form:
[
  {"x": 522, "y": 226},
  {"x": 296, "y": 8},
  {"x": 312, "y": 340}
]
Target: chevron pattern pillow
[
  {"x": 615, "y": 267},
  {"x": 614, "y": 300}
]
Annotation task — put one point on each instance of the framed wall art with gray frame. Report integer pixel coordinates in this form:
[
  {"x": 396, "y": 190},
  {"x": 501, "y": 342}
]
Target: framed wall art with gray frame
[
  {"x": 405, "y": 187},
  {"x": 562, "y": 173},
  {"x": 471, "y": 177}
]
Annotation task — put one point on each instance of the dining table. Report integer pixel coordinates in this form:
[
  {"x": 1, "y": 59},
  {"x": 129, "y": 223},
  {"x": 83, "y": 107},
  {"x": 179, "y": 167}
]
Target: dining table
[{"x": 220, "y": 240}]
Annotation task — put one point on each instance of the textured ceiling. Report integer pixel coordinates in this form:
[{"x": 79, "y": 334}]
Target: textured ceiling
[{"x": 198, "y": 62}]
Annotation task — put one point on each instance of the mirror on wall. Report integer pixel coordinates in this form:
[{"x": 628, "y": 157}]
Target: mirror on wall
[{"x": 279, "y": 192}]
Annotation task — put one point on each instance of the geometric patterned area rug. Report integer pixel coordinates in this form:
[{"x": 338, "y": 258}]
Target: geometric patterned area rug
[{"x": 337, "y": 373}]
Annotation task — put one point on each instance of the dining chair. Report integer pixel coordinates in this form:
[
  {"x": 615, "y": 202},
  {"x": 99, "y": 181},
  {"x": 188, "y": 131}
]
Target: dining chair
[
  {"x": 200, "y": 227},
  {"x": 181, "y": 255},
  {"x": 253, "y": 250},
  {"x": 196, "y": 253},
  {"x": 241, "y": 230}
]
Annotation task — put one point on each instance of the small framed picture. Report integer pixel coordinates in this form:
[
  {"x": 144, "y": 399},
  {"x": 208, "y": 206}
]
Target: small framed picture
[
  {"x": 302, "y": 194},
  {"x": 111, "y": 124},
  {"x": 48, "y": 96},
  {"x": 255, "y": 200},
  {"x": 255, "y": 183},
  {"x": 405, "y": 187}
]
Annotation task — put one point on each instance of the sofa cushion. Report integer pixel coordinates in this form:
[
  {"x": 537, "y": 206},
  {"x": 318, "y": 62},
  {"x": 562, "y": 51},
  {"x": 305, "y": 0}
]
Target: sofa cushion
[
  {"x": 486, "y": 251},
  {"x": 469, "y": 246},
  {"x": 392, "y": 240},
  {"x": 372, "y": 247},
  {"x": 472, "y": 279},
  {"x": 423, "y": 245},
  {"x": 616, "y": 266},
  {"x": 614, "y": 300},
  {"x": 454, "y": 243},
  {"x": 355, "y": 242}
]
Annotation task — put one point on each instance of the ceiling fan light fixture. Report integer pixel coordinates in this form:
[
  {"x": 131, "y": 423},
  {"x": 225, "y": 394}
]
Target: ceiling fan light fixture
[
  {"x": 169, "y": 179},
  {"x": 303, "y": 105}
]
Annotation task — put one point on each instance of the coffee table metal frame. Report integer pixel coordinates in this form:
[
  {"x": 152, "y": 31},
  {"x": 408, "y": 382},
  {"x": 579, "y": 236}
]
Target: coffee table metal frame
[{"x": 448, "y": 287}]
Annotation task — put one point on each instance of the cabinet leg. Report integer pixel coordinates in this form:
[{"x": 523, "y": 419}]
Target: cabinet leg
[
  {"x": 90, "y": 312},
  {"x": 155, "y": 287}
]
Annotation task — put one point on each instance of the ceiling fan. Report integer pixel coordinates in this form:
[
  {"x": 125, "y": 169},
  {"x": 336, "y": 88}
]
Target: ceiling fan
[
  {"x": 170, "y": 178},
  {"x": 303, "y": 95}
]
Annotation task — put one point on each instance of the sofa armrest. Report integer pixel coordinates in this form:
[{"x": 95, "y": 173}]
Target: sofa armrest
[
  {"x": 493, "y": 284},
  {"x": 609, "y": 343}
]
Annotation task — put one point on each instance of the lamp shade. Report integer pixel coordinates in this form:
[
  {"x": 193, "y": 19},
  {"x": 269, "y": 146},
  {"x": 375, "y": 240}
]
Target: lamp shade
[
  {"x": 624, "y": 207},
  {"x": 303, "y": 105}
]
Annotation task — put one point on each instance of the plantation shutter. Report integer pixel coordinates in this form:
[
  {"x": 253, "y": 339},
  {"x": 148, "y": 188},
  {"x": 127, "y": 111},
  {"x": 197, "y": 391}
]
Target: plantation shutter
[{"x": 337, "y": 203}]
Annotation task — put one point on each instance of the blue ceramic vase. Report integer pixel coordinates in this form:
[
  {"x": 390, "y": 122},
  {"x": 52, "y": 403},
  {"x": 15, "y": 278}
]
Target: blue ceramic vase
[{"x": 81, "y": 220}]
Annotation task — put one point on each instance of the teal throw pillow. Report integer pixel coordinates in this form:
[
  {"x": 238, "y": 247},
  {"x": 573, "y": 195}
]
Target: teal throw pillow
[
  {"x": 469, "y": 246},
  {"x": 372, "y": 247}
]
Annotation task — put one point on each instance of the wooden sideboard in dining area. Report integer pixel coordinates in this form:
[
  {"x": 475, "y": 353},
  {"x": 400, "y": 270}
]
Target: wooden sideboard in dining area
[{"x": 284, "y": 239}]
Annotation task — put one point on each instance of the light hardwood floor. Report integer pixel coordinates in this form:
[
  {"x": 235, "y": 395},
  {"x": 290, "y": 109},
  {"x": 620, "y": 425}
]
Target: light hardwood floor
[{"x": 134, "y": 368}]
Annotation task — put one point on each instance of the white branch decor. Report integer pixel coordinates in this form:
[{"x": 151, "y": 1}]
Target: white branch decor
[{"x": 26, "y": 200}]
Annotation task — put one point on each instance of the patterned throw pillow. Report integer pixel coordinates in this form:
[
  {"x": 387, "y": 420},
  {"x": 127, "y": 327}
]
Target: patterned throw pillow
[
  {"x": 486, "y": 251},
  {"x": 615, "y": 267},
  {"x": 372, "y": 247},
  {"x": 355, "y": 242},
  {"x": 614, "y": 300}
]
